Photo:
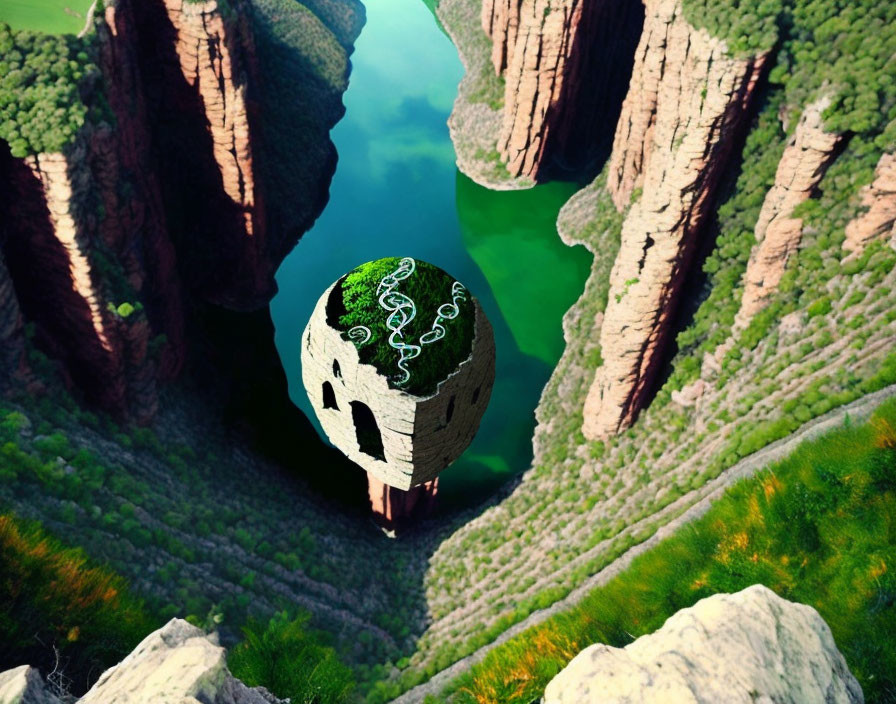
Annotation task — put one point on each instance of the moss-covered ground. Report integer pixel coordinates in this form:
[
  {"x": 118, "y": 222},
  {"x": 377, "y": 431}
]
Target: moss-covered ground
[{"x": 429, "y": 288}]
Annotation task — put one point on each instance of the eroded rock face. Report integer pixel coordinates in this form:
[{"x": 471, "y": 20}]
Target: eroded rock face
[
  {"x": 501, "y": 21},
  {"x": 880, "y": 219},
  {"x": 213, "y": 58},
  {"x": 563, "y": 64},
  {"x": 778, "y": 234},
  {"x": 687, "y": 101},
  {"x": 178, "y": 664},
  {"x": 393, "y": 508},
  {"x": 748, "y": 647},
  {"x": 24, "y": 685}
]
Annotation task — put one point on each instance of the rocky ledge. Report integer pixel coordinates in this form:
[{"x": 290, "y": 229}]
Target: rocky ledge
[
  {"x": 752, "y": 646},
  {"x": 178, "y": 664}
]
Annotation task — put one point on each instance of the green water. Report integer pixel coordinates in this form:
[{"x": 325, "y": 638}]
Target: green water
[{"x": 397, "y": 192}]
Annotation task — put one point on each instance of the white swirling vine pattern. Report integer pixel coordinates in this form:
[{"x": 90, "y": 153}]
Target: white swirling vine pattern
[{"x": 402, "y": 310}]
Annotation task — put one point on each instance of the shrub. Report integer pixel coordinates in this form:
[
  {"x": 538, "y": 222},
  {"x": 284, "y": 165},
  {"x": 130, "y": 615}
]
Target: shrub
[
  {"x": 291, "y": 661},
  {"x": 52, "y": 597}
]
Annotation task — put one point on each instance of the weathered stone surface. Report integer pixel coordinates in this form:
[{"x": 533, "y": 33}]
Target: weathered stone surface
[
  {"x": 778, "y": 234},
  {"x": 562, "y": 63},
  {"x": 687, "y": 100},
  {"x": 392, "y": 508},
  {"x": 178, "y": 664},
  {"x": 501, "y": 22},
  {"x": 880, "y": 219},
  {"x": 210, "y": 61},
  {"x": 748, "y": 647},
  {"x": 54, "y": 171},
  {"x": 420, "y": 435},
  {"x": 24, "y": 685}
]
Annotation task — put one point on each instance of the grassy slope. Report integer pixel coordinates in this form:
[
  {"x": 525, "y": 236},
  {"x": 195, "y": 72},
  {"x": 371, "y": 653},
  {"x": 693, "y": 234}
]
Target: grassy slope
[
  {"x": 605, "y": 497},
  {"x": 818, "y": 527},
  {"x": 48, "y": 16},
  {"x": 52, "y": 596}
]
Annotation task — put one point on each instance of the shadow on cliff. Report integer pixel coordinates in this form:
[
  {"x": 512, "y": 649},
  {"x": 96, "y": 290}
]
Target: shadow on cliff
[
  {"x": 585, "y": 114},
  {"x": 46, "y": 293}
]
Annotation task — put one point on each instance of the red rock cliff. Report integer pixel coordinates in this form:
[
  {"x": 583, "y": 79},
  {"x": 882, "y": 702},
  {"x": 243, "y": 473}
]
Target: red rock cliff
[
  {"x": 565, "y": 66},
  {"x": 686, "y": 102}
]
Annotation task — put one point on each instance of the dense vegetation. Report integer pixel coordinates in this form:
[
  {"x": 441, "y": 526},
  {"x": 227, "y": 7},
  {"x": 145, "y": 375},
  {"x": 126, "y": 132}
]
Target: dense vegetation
[
  {"x": 854, "y": 40},
  {"x": 429, "y": 288},
  {"x": 818, "y": 527},
  {"x": 44, "y": 80},
  {"x": 291, "y": 661},
  {"x": 58, "y": 611}
]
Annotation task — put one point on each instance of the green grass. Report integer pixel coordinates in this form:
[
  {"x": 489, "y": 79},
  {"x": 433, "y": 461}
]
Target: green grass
[
  {"x": 291, "y": 661},
  {"x": 47, "y": 16},
  {"x": 53, "y": 596},
  {"x": 818, "y": 527},
  {"x": 429, "y": 288}
]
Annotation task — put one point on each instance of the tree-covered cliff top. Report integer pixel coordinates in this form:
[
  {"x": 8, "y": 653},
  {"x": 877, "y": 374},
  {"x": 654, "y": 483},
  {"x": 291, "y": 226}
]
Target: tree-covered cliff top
[
  {"x": 408, "y": 318},
  {"x": 43, "y": 79}
]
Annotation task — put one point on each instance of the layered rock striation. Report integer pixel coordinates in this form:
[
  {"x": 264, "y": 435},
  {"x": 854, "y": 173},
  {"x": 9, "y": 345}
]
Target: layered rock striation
[
  {"x": 565, "y": 67},
  {"x": 879, "y": 221},
  {"x": 679, "y": 123},
  {"x": 744, "y": 647}
]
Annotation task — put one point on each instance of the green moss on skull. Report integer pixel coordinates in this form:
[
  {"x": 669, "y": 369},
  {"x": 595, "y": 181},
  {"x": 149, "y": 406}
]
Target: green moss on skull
[{"x": 355, "y": 302}]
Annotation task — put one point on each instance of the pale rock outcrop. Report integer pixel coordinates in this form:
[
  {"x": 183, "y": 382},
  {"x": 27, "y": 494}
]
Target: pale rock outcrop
[
  {"x": 178, "y": 664},
  {"x": 210, "y": 54},
  {"x": 24, "y": 685},
  {"x": 748, "y": 647},
  {"x": 802, "y": 166},
  {"x": 880, "y": 219},
  {"x": 55, "y": 171},
  {"x": 687, "y": 100}
]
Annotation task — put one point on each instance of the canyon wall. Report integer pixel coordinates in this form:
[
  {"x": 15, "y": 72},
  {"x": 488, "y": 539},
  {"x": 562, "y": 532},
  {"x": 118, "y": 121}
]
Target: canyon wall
[
  {"x": 679, "y": 122},
  {"x": 565, "y": 67},
  {"x": 879, "y": 221},
  {"x": 542, "y": 91},
  {"x": 12, "y": 332},
  {"x": 155, "y": 211}
]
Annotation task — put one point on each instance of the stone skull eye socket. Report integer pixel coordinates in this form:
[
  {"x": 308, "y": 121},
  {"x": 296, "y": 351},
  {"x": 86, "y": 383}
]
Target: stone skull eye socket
[
  {"x": 367, "y": 432},
  {"x": 337, "y": 371},
  {"x": 329, "y": 396}
]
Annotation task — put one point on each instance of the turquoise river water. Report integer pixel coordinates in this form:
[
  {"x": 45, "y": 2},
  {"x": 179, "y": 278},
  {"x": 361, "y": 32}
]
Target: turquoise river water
[{"x": 397, "y": 192}]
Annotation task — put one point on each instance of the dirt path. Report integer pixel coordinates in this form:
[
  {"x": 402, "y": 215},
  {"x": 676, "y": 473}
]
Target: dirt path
[{"x": 857, "y": 410}]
